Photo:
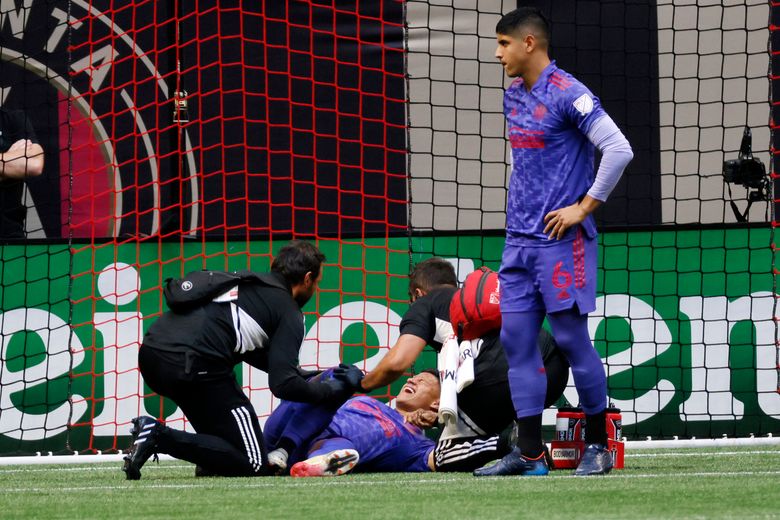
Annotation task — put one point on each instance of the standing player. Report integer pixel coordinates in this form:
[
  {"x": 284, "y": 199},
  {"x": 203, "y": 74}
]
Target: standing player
[
  {"x": 475, "y": 439},
  {"x": 549, "y": 261},
  {"x": 364, "y": 434},
  {"x": 189, "y": 357}
]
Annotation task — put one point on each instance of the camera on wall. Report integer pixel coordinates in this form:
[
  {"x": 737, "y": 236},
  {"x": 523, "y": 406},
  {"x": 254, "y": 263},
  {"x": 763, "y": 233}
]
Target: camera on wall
[
  {"x": 746, "y": 169},
  {"x": 749, "y": 172}
]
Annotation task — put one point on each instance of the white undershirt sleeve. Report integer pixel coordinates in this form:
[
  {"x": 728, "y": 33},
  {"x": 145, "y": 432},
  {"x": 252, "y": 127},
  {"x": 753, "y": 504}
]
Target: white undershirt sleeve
[{"x": 616, "y": 154}]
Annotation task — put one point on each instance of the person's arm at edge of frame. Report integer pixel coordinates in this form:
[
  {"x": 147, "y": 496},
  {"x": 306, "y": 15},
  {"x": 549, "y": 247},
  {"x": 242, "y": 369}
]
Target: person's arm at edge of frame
[
  {"x": 616, "y": 154},
  {"x": 395, "y": 363},
  {"x": 23, "y": 159}
]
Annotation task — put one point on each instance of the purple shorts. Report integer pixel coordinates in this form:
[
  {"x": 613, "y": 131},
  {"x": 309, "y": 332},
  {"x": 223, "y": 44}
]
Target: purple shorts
[{"x": 551, "y": 276}]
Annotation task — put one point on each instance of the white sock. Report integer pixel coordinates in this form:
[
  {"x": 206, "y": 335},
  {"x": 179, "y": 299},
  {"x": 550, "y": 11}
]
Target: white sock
[{"x": 278, "y": 458}]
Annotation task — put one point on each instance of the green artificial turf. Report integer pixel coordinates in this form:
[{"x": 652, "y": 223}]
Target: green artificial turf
[{"x": 683, "y": 483}]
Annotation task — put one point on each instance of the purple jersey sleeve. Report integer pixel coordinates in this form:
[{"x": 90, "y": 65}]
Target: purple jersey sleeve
[
  {"x": 581, "y": 106},
  {"x": 379, "y": 434}
]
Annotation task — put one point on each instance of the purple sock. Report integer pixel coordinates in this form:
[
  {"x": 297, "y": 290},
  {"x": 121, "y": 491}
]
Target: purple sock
[
  {"x": 570, "y": 330},
  {"x": 331, "y": 444},
  {"x": 293, "y": 425},
  {"x": 527, "y": 379},
  {"x": 274, "y": 425}
]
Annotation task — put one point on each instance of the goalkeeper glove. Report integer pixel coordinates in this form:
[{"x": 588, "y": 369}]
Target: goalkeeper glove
[
  {"x": 350, "y": 374},
  {"x": 340, "y": 389}
]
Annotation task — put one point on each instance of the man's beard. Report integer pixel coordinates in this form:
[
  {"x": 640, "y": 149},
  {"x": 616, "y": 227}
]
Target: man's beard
[{"x": 302, "y": 299}]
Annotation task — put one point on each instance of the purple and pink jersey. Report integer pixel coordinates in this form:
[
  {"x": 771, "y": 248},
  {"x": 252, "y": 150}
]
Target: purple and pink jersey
[
  {"x": 384, "y": 441},
  {"x": 552, "y": 157},
  {"x": 379, "y": 434}
]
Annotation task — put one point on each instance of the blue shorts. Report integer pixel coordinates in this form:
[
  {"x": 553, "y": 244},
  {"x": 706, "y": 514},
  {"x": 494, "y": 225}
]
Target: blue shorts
[{"x": 551, "y": 276}]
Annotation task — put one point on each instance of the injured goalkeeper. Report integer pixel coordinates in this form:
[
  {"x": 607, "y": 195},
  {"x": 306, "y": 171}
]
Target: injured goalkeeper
[
  {"x": 364, "y": 435},
  {"x": 481, "y": 422}
]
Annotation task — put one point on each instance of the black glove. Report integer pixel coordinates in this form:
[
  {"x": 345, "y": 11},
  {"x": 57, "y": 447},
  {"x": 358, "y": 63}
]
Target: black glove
[
  {"x": 341, "y": 389},
  {"x": 350, "y": 374}
]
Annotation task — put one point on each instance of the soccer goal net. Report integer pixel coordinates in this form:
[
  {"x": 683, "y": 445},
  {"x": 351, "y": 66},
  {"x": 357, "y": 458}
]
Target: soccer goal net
[{"x": 185, "y": 135}]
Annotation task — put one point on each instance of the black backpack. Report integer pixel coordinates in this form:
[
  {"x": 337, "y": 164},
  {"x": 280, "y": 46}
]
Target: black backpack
[{"x": 200, "y": 287}]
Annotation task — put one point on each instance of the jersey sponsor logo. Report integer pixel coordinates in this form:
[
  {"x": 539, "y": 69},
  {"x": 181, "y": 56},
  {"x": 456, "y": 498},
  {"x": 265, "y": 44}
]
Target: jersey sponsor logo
[
  {"x": 584, "y": 104},
  {"x": 522, "y": 138}
]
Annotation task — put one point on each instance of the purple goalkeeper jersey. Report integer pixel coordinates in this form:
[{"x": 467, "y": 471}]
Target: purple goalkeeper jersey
[
  {"x": 552, "y": 158},
  {"x": 381, "y": 437}
]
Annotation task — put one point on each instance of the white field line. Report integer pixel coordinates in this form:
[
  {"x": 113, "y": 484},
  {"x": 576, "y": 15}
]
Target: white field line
[
  {"x": 325, "y": 482},
  {"x": 66, "y": 459},
  {"x": 630, "y": 446},
  {"x": 723, "y": 442},
  {"x": 93, "y": 467},
  {"x": 102, "y": 465},
  {"x": 696, "y": 454}
]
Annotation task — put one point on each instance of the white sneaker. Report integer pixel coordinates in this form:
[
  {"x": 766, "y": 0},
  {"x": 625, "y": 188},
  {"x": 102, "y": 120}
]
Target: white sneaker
[
  {"x": 278, "y": 458},
  {"x": 330, "y": 464}
]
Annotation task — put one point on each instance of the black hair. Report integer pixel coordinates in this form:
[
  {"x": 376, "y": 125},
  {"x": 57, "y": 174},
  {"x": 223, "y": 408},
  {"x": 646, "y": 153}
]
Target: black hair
[
  {"x": 296, "y": 259},
  {"x": 432, "y": 371},
  {"x": 529, "y": 17},
  {"x": 432, "y": 272}
]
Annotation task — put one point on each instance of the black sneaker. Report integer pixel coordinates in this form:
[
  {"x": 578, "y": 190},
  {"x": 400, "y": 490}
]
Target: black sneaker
[
  {"x": 597, "y": 460},
  {"x": 203, "y": 472},
  {"x": 515, "y": 463},
  {"x": 145, "y": 432}
]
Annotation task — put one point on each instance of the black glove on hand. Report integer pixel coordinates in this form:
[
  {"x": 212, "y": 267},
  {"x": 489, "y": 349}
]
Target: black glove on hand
[
  {"x": 341, "y": 389},
  {"x": 350, "y": 374}
]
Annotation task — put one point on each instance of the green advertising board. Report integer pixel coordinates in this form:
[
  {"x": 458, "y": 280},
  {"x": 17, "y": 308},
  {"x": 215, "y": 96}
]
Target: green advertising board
[{"x": 685, "y": 325}]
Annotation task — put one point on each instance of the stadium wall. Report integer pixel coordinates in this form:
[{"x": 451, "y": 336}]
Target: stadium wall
[{"x": 690, "y": 349}]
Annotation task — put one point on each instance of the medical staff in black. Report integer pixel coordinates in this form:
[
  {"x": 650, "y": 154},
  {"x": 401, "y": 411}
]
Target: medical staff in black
[{"x": 189, "y": 358}]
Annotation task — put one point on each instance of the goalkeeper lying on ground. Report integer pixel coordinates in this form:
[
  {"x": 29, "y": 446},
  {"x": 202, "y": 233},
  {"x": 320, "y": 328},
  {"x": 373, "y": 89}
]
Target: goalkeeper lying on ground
[
  {"x": 364, "y": 434},
  {"x": 482, "y": 433}
]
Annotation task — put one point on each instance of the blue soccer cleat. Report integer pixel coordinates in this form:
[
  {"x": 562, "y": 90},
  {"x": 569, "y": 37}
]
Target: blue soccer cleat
[
  {"x": 144, "y": 432},
  {"x": 515, "y": 463},
  {"x": 597, "y": 460}
]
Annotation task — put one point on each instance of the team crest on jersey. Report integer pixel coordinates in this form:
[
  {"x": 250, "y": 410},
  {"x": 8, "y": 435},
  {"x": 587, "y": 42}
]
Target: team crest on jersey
[
  {"x": 539, "y": 112},
  {"x": 584, "y": 104}
]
